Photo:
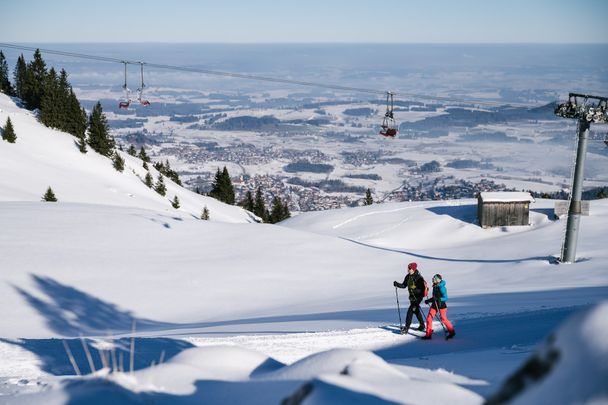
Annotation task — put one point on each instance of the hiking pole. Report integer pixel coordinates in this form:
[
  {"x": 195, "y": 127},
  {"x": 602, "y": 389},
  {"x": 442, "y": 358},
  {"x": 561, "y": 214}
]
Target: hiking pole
[{"x": 398, "y": 308}]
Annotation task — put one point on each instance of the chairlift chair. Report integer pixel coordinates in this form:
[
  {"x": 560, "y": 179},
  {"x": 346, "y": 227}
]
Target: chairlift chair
[
  {"x": 124, "y": 105},
  {"x": 140, "y": 91},
  {"x": 388, "y": 127}
]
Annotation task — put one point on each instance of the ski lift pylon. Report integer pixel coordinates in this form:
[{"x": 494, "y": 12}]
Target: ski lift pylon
[
  {"x": 127, "y": 101},
  {"x": 388, "y": 127},
  {"x": 140, "y": 91}
]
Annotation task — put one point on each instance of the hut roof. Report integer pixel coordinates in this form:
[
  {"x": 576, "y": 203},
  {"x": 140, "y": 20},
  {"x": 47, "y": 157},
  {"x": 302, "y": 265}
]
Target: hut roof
[{"x": 506, "y": 196}]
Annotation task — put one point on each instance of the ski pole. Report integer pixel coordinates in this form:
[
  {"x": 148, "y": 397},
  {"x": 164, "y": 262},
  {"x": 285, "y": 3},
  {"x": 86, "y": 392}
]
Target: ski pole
[{"x": 398, "y": 308}]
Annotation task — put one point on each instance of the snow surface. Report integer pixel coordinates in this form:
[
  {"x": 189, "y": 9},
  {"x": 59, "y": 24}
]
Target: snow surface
[{"x": 242, "y": 312}]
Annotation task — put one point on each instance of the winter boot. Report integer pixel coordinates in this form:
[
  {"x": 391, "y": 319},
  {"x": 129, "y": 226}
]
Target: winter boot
[
  {"x": 427, "y": 337},
  {"x": 450, "y": 335},
  {"x": 421, "y": 328},
  {"x": 403, "y": 330}
]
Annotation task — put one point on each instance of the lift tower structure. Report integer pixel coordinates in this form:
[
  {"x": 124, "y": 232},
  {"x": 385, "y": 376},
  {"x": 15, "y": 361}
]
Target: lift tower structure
[{"x": 587, "y": 110}]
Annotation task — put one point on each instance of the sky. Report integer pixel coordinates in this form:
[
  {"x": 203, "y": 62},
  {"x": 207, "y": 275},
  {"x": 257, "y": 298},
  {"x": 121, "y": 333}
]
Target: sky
[{"x": 312, "y": 21}]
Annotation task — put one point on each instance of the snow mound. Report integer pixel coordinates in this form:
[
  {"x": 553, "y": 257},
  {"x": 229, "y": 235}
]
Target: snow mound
[
  {"x": 333, "y": 361},
  {"x": 44, "y": 157},
  {"x": 347, "y": 376},
  {"x": 229, "y": 374},
  {"x": 179, "y": 374},
  {"x": 571, "y": 367}
]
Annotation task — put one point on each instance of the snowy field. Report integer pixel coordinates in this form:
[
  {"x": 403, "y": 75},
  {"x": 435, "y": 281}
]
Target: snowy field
[{"x": 232, "y": 311}]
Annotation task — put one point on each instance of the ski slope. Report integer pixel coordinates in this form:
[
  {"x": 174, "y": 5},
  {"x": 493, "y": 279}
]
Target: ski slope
[
  {"x": 242, "y": 312},
  {"x": 44, "y": 157}
]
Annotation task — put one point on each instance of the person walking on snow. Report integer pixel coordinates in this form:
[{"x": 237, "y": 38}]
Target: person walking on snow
[
  {"x": 438, "y": 303},
  {"x": 417, "y": 290}
]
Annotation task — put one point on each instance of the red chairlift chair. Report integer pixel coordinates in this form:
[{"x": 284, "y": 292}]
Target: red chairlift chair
[{"x": 388, "y": 127}]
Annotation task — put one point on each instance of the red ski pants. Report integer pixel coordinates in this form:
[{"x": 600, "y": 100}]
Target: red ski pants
[{"x": 444, "y": 319}]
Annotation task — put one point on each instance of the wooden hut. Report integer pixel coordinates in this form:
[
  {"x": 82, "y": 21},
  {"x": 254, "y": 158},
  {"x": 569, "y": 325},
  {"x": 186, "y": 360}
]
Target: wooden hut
[{"x": 503, "y": 209}]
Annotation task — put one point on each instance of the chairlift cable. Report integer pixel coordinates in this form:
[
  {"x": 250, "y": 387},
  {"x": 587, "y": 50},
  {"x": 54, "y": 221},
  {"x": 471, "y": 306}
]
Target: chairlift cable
[{"x": 270, "y": 79}]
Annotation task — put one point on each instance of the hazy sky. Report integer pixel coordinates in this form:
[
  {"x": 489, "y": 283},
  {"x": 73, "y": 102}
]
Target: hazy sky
[{"x": 443, "y": 21}]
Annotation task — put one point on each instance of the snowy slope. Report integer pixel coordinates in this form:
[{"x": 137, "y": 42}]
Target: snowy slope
[
  {"x": 307, "y": 308},
  {"x": 44, "y": 157}
]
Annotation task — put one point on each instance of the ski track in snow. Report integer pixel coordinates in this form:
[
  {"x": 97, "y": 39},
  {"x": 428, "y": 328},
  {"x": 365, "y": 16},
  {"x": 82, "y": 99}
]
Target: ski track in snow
[
  {"x": 289, "y": 348},
  {"x": 383, "y": 231},
  {"x": 357, "y": 217}
]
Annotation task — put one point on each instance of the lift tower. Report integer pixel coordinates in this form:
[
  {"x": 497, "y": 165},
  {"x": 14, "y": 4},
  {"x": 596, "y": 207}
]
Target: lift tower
[{"x": 587, "y": 110}]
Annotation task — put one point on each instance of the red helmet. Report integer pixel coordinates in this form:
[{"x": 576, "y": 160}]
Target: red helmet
[{"x": 412, "y": 266}]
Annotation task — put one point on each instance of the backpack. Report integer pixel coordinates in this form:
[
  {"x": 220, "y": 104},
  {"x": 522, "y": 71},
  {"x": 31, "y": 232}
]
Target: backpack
[{"x": 426, "y": 287}]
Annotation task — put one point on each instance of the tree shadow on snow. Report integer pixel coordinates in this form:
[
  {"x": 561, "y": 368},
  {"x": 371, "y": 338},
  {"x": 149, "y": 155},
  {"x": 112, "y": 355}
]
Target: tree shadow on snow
[
  {"x": 72, "y": 312},
  {"x": 54, "y": 358}
]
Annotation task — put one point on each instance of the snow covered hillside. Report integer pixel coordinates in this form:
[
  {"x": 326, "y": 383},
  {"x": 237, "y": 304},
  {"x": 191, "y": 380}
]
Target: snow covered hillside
[
  {"x": 44, "y": 157},
  {"x": 249, "y": 313}
]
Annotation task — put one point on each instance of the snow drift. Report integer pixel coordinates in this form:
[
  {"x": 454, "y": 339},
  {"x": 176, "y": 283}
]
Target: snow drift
[{"x": 570, "y": 367}]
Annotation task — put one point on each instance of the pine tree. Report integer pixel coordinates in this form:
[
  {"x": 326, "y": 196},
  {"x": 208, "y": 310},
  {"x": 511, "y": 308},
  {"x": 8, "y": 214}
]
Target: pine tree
[
  {"x": 259, "y": 207},
  {"x": 49, "y": 196},
  {"x": 51, "y": 102},
  {"x": 279, "y": 211},
  {"x": 145, "y": 165},
  {"x": 216, "y": 187},
  {"x": 286, "y": 213},
  {"x": 248, "y": 203},
  {"x": 172, "y": 174},
  {"x": 229, "y": 197},
  {"x": 144, "y": 156},
  {"x": 36, "y": 78},
  {"x": 20, "y": 76},
  {"x": 82, "y": 144},
  {"x": 5, "y": 84},
  {"x": 276, "y": 212},
  {"x": 165, "y": 169},
  {"x": 175, "y": 202},
  {"x": 118, "y": 162},
  {"x": 132, "y": 151},
  {"x": 160, "y": 185},
  {"x": 148, "y": 180},
  {"x": 99, "y": 138},
  {"x": 222, "y": 188},
  {"x": 74, "y": 115},
  {"x": 368, "y": 198},
  {"x": 8, "y": 133},
  {"x": 65, "y": 108},
  {"x": 205, "y": 214}
]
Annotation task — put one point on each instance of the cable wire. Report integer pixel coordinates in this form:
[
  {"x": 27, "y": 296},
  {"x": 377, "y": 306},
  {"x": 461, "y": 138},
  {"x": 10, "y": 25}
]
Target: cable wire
[{"x": 269, "y": 79}]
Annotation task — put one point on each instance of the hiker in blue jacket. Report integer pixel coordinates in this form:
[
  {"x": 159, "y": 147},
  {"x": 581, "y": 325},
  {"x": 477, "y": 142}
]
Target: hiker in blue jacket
[{"x": 438, "y": 303}]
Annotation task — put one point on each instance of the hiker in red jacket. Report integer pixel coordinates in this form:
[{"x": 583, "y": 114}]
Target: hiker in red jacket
[{"x": 416, "y": 287}]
